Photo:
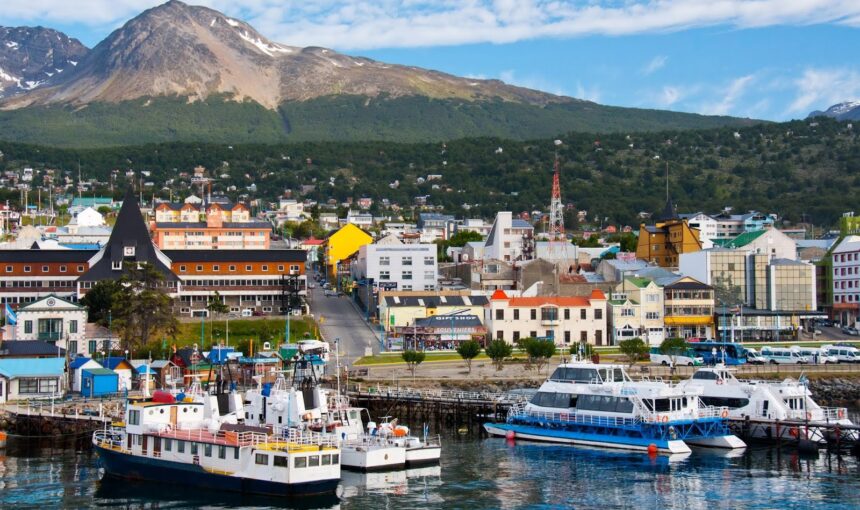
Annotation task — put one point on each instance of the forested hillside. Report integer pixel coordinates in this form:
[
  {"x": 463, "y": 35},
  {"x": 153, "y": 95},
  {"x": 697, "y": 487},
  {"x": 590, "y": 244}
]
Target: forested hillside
[{"x": 799, "y": 168}]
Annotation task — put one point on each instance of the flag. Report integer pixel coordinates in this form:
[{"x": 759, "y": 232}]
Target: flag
[{"x": 11, "y": 317}]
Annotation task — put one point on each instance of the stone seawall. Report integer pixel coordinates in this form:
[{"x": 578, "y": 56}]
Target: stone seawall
[{"x": 836, "y": 391}]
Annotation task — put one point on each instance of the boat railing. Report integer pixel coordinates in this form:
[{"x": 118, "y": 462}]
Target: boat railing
[
  {"x": 110, "y": 439},
  {"x": 519, "y": 411},
  {"x": 834, "y": 413},
  {"x": 282, "y": 437},
  {"x": 713, "y": 412}
]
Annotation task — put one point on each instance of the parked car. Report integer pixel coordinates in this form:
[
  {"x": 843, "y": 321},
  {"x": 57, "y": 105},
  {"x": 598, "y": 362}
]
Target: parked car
[
  {"x": 850, "y": 330},
  {"x": 825, "y": 323},
  {"x": 330, "y": 292},
  {"x": 311, "y": 285},
  {"x": 754, "y": 358}
]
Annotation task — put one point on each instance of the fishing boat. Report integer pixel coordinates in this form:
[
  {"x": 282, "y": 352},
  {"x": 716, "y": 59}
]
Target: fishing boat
[
  {"x": 181, "y": 442},
  {"x": 600, "y": 405},
  {"x": 779, "y": 410}
]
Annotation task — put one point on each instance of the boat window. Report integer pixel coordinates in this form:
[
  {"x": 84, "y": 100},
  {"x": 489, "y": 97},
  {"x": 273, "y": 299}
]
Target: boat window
[
  {"x": 547, "y": 399},
  {"x": 193, "y": 448},
  {"x": 207, "y": 450},
  {"x": 235, "y": 453},
  {"x": 301, "y": 462},
  {"x": 604, "y": 403},
  {"x": 222, "y": 452},
  {"x": 702, "y": 374},
  {"x": 602, "y": 374},
  {"x": 353, "y": 415},
  {"x": 180, "y": 446},
  {"x": 571, "y": 374},
  {"x": 168, "y": 445},
  {"x": 661, "y": 405},
  {"x": 326, "y": 460},
  {"x": 732, "y": 403},
  {"x": 279, "y": 461},
  {"x": 335, "y": 459},
  {"x": 313, "y": 461},
  {"x": 684, "y": 402},
  {"x": 618, "y": 375},
  {"x": 262, "y": 459}
]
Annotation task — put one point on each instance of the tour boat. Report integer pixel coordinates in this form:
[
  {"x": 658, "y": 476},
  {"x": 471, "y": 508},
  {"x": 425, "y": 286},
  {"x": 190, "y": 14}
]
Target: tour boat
[
  {"x": 774, "y": 410},
  {"x": 600, "y": 405},
  {"x": 181, "y": 442}
]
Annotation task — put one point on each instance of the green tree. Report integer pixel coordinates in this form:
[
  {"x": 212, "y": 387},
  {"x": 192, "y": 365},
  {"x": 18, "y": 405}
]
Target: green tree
[
  {"x": 499, "y": 351},
  {"x": 413, "y": 359},
  {"x": 468, "y": 350},
  {"x": 634, "y": 349},
  {"x": 100, "y": 299},
  {"x": 465, "y": 236},
  {"x": 142, "y": 308},
  {"x": 673, "y": 347},
  {"x": 539, "y": 351},
  {"x": 216, "y": 305}
]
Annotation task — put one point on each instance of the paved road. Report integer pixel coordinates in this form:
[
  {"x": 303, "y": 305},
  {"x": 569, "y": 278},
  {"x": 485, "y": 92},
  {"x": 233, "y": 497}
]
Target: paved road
[{"x": 341, "y": 319}]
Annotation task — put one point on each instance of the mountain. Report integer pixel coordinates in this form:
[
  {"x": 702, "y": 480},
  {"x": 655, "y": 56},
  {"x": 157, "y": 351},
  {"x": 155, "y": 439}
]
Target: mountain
[
  {"x": 33, "y": 57},
  {"x": 185, "y": 73},
  {"x": 849, "y": 110}
]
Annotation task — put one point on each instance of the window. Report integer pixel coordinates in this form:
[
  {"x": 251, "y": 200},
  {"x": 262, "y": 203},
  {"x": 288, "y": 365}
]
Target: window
[
  {"x": 134, "y": 417},
  {"x": 300, "y": 462},
  {"x": 598, "y": 313},
  {"x": 207, "y": 449},
  {"x": 265, "y": 268},
  {"x": 261, "y": 459},
  {"x": 335, "y": 459},
  {"x": 429, "y": 261},
  {"x": 532, "y": 334},
  {"x": 62, "y": 269},
  {"x": 279, "y": 461},
  {"x": 384, "y": 275},
  {"x": 326, "y": 460},
  {"x": 193, "y": 448},
  {"x": 500, "y": 315},
  {"x": 28, "y": 327},
  {"x": 384, "y": 261},
  {"x": 199, "y": 268},
  {"x": 567, "y": 337},
  {"x": 248, "y": 268},
  {"x": 313, "y": 461},
  {"x": 92, "y": 347},
  {"x": 500, "y": 335},
  {"x": 180, "y": 446},
  {"x": 28, "y": 385},
  {"x": 73, "y": 326},
  {"x": 582, "y": 313},
  {"x": 652, "y": 315},
  {"x": 168, "y": 444},
  {"x": 73, "y": 347},
  {"x": 116, "y": 265},
  {"x": 516, "y": 314},
  {"x": 45, "y": 269},
  {"x": 567, "y": 314},
  {"x": 26, "y": 269},
  {"x": 182, "y": 269},
  {"x": 549, "y": 314},
  {"x": 583, "y": 336},
  {"x": 407, "y": 261},
  {"x": 598, "y": 337},
  {"x": 407, "y": 275},
  {"x": 216, "y": 268},
  {"x": 516, "y": 336},
  {"x": 232, "y": 268},
  {"x": 627, "y": 312},
  {"x": 48, "y": 385},
  {"x": 8, "y": 269},
  {"x": 534, "y": 313},
  {"x": 429, "y": 275}
]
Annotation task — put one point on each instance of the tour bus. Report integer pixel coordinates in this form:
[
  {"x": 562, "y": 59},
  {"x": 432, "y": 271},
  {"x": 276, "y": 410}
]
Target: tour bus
[
  {"x": 781, "y": 356},
  {"x": 815, "y": 355},
  {"x": 843, "y": 353},
  {"x": 688, "y": 358},
  {"x": 728, "y": 353}
]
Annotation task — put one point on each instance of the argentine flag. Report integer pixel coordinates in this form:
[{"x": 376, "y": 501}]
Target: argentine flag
[{"x": 11, "y": 318}]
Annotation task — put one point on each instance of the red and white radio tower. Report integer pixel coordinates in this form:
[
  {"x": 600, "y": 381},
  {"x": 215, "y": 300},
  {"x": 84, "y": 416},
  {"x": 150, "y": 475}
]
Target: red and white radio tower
[{"x": 556, "y": 209}]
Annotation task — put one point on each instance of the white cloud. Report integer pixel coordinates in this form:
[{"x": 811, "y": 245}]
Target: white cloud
[
  {"x": 359, "y": 24},
  {"x": 589, "y": 94},
  {"x": 531, "y": 82},
  {"x": 669, "y": 95},
  {"x": 822, "y": 88},
  {"x": 734, "y": 91},
  {"x": 655, "y": 64}
]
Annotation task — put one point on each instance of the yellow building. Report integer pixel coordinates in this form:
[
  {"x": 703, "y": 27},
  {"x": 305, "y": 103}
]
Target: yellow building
[
  {"x": 340, "y": 245},
  {"x": 665, "y": 241}
]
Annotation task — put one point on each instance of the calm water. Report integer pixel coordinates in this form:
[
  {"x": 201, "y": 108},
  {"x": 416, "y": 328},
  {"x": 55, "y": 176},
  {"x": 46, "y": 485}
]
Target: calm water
[{"x": 476, "y": 474}]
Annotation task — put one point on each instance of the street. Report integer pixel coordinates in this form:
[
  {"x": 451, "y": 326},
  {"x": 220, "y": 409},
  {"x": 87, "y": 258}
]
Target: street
[{"x": 339, "y": 318}]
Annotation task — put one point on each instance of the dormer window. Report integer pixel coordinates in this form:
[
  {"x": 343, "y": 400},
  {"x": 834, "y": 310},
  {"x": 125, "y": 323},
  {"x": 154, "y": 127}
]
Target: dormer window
[
  {"x": 116, "y": 265},
  {"x": 128, "y": 251}
]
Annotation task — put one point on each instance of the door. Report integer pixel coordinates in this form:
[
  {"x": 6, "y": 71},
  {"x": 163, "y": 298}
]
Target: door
[
  {"x": 145, "y": 444},
  {"x": 173, "y": 410},
  {"x": 156, "y": 447}
]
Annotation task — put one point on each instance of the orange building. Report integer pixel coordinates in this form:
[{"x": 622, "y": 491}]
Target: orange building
[{"x": 220, "y": 231}]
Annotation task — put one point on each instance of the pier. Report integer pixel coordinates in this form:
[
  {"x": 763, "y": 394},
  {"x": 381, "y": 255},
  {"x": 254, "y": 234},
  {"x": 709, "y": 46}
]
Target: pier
[{"x": 62, "y": 418}]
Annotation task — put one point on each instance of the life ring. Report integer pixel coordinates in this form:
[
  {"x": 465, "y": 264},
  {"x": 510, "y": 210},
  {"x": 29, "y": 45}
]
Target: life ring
[
  {"x": 665, "y": 418},
  {"x": 725, "y": 413},
  {"x": 841, "y": 413},
  {"x": 793, "y": 432}
]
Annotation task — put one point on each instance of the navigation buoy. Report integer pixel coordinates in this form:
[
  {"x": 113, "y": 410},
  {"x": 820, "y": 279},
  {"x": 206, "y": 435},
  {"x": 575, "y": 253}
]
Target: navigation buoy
[
  {"x": 510, "y": 435},
  {"x": 652, "y": 449}
]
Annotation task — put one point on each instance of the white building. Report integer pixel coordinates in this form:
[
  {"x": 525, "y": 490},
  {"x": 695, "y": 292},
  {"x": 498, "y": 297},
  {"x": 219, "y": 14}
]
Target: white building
[
  {"x": 510, "y": 239},
  {"x": 55, "y": 320},
  {"x": 360, "y": 219},
  {"x": 291, "y": 210},
  {"x": 566, "y": 319},
  {"x": 395, "y": 265},
  {"x": 846, "y": 281}
]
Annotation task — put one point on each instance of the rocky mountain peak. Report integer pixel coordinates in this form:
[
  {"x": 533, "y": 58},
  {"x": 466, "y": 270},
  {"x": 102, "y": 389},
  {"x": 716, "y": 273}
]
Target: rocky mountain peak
[{"x": 31, "y": 57}]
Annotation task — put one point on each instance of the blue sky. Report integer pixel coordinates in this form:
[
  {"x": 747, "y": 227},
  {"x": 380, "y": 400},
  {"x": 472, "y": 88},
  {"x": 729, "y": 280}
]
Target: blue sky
[{"x": 771, "y": 59}]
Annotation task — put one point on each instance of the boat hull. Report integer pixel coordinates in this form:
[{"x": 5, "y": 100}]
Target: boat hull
[
  {"x": 362, "y": 458},
  {"x": 729, "y": 441},
  {"x": 585, "y": 438},
  {"x": 123, "y": 465},
  {"x": 423, "y": 456}
]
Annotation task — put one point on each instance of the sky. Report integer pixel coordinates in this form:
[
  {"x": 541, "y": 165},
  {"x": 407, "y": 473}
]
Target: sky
[{"x": 766, "y": 59}]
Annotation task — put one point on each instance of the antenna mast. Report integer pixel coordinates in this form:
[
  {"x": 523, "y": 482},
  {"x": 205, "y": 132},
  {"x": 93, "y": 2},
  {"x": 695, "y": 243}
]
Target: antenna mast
[{"x": 556, "y": 209}]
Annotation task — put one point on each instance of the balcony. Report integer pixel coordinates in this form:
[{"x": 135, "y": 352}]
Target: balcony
[{"x": 49, "y": 336}]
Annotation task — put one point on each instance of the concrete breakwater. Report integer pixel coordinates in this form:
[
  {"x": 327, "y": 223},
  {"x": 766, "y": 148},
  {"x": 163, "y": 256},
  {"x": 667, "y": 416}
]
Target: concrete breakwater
[{"x": 62, "y": 419}]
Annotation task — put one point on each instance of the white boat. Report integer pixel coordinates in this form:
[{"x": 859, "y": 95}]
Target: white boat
[
  {"x": 600, "y": 405},
  {"x": 776, "y": 410},
  {"x": 169, "y": 441}
]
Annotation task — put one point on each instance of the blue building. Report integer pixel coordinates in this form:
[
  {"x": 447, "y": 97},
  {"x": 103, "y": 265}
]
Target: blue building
[{"x": 98, "y": 382}]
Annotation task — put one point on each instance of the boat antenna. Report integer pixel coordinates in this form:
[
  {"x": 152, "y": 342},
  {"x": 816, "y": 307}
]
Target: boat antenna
[{"x": 337, "y": 363}]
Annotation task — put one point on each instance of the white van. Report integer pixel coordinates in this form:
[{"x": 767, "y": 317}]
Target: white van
[
  {"x": 843, "y": 354},
  {"x": 815, "y": 355},
  {"x": 688, "y": 359},
  {"x": 782, "y": 356}
]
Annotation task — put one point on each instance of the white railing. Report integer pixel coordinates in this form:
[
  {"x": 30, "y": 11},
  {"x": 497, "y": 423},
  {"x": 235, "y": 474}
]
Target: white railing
[
  {"x": 445, "y": 395},
  {"x": 519, "y": 411},
  {"x": 834, "y": 413},
  {"x": 257, "y": 439}
]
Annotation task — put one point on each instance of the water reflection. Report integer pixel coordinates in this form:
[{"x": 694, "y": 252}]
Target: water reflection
[{"x": 476, "y": 474}]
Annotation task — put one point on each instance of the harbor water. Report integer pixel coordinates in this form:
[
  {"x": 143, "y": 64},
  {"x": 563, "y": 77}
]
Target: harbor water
[{"x": 475, "y": 473}]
